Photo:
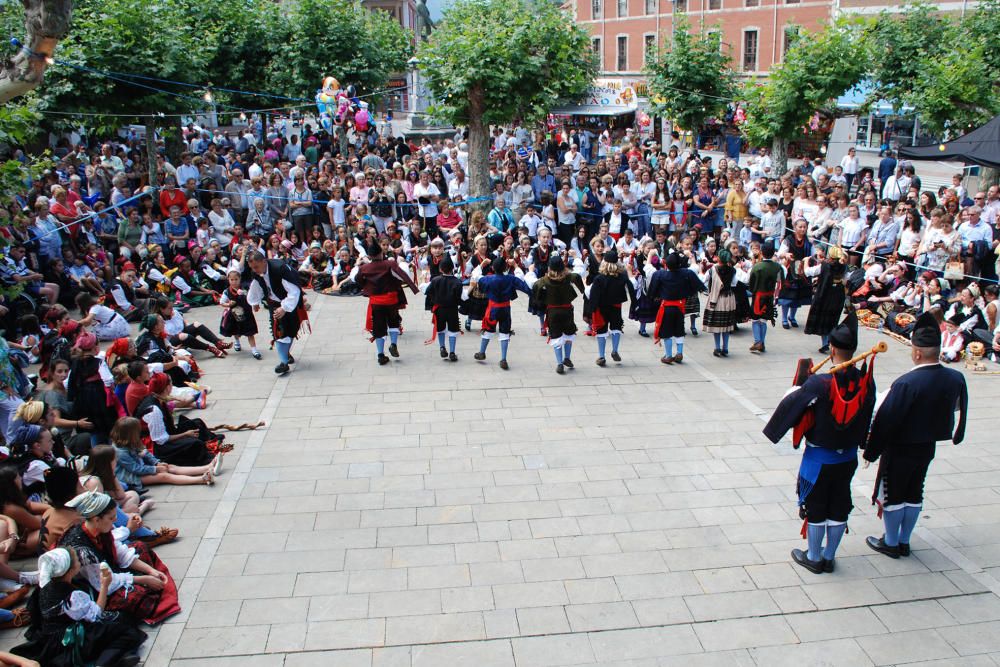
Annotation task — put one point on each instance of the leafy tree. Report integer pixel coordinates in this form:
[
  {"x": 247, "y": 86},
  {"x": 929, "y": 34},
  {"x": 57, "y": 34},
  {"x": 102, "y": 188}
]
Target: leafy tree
[
  {"x": 693, "y": 80},
  {"x": 496, "y": 61},
  {"x": 338, "y": 38},
  {"x": 819, "y": 67},
  {"x": 898, "y": 45}
]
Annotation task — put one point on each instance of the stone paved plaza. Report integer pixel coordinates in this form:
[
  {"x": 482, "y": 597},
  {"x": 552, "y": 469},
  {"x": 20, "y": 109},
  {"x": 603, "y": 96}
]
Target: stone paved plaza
[{"x": 437, "y": 514}]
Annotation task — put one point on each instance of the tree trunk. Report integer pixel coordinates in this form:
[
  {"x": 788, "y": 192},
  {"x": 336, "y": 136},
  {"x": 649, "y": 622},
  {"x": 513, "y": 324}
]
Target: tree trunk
[
  {"x": 154, "y": 180},
  {"x": 479, "y": 146},
  {"x": 779, "y": 157},
  {"x": 988, "y": 176},
  {"x": 45, "y": 22}
]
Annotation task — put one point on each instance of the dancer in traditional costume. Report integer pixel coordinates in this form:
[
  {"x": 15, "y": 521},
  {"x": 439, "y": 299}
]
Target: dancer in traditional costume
[
  {"x": 277, "y": 287},
  {"x": 764, "y": 277},
  {"x": 556, "y": 291},
  {"x": 672, "y": 286},
  {"x": 499, "y": 288},
  {"x": 610, "y": 288},
  {"x": 444, "y": 293},
  {"x": 381, "y": 280}
]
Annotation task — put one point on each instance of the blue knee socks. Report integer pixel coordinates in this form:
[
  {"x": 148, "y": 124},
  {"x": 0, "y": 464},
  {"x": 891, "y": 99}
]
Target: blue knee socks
[
  {"x": 440, "y": 338},
  {"x": 283, "y": 350},
  {"x": 834, "y": 534},
  {"x": 679, "y": 341},
  {"x": 602, "y": 345},
  {"x": 759, "y": 331},
  {"x": 825, "y": 339},
  {"x": 569, "y": 348},
  {"x": 718, "y": 341},
  {"x": 814, "y": 536},
  {"x": 483, "y": 344},
  {"x": 792, "y": 312},
  {"x": 616, "y": 339},
  {"x": 379, "y": 346},
  {"x": 559, "y": 354},
  {"x": 893, "y": 519},
  {"x": 393, "y": 336},
  {"x": 451, "y": 343},
  {"x": 668, "y": 347},
  {"x": 784, "y": 314},
  {"x": 910, "y": 516},
  {"x": 504, "y": 344},
  {"x": 725, "y": 342}
]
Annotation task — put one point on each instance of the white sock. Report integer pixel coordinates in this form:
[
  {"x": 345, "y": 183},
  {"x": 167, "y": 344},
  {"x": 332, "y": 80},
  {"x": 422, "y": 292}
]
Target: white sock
[
  {"x": 253, "y": 349},
  {"x": 28, "y": 578}
]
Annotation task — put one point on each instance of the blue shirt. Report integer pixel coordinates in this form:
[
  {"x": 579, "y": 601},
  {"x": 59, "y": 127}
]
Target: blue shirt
[
  {"x": 539, "y": 184},
  {"x": 502, "y": 288}
]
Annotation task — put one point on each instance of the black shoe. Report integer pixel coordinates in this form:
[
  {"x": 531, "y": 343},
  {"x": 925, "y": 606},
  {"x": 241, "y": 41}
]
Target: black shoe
[
  {"x": 601, "y": 361},
  {"x": 504, "y": 365},
  {"x": 904, "y": 549},
  {"x": 828, "y": 566},
  {"x": 878, "y": 544},
  {"x": 716, "y": 353},
  {"x": 616, "y": 356},
  {"x": 479, "y": 356},
  {"x": 795, "y": 325},
  {"x": 393, "y": 350},
  {"x": 694, "y": 332},
  {"x": 291, "y": 359},
  {"x": 452, "y": 356},
  {"x": 568, "y": 362},
  {"x": 825, "y": 349},
  {"x": 802, "y": 558},
  {"x": 560, "y": 369},
  {"x": 382, "y": 360},
  {"x": 444, "y": 353},
  {"x": 468, "y": 325},
  {"x": 786, "y": 325},
  {"x": 644, "y": 334},
  {"x": 282, "y": 369},
  {"x": 725, "y": 353},
  {"x": 130, "y": 660}
]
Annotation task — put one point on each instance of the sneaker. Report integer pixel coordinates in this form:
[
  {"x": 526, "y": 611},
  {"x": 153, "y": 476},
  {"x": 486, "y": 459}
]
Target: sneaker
[
  {"x": 382, "y": 360},
  {"x": 568, "y": 363},
  {"x": 479, "y": 356},
  {"x": 504, "y": 365},
  {"x": 452, "y": 356},
  {"x": 444, "y": 352},
  {"x": 393, "y": 350},
  {"x": 257, "y": 355},
  {"x": 200, "y": 400},
  {"x": 601, "y": 361},
  {"x": 282, "y": 369},
  {"x": 616, "y": 356},
  {"x": 237, "y": 347},
  {"x": 560, "y": 369}
]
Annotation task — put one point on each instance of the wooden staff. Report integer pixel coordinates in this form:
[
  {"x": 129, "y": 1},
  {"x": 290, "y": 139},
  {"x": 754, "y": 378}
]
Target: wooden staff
[{"x": 879, "y": 347}]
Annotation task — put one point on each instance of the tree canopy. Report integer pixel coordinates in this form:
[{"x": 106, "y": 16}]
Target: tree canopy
[
  {"x": 497, "y": 61},
  {"x": 693, "y": 79}
]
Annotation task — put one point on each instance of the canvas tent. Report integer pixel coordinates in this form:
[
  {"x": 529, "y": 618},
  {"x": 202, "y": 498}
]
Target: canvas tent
[{"x": 980, "y": 147}]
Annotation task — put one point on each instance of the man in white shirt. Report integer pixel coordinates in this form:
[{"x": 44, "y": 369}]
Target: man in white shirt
[
  {"x": 573, "y": 159},
  {"x": 186, "y": 170},
  {"x": 756, "y": 198},
  {"x": 765, "y": 161},
  {"x": 818, "y": 169},
  {"x": 426, "y": 194},
  {"x": 896, "y": 186}
]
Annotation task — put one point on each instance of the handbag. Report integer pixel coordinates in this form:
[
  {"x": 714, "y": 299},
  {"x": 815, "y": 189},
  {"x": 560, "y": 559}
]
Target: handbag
[{"x": 954, "y": 271}]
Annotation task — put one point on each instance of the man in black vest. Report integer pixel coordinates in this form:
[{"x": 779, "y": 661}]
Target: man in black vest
[
  {"x": 918, "y": 410},
  {"x": 276, "y": 286}
]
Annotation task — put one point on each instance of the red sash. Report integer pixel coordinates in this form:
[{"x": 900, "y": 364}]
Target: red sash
[
  {"x": 387, "y": 299},
  {"x": 597, "y": 320},
  {"x": 664, "y": 304},
  {"x": 763, "y": 303},
  {"x": 488, "y": 321}
]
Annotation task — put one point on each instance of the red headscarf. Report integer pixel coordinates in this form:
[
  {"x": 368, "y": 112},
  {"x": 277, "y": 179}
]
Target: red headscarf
[{"x": 158, "y": 383}]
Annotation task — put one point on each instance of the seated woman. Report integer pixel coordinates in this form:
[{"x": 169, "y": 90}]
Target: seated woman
[
  {"x": 88, "y": 388},
  {"x": 31, "y": 453},
  {"x": 198, "y": 293},
  {"x": 968, "y": 316},
  {"x": 185, "y": 442},
  {"x": 153, "y": 347},
  {"x": 107, "y": 323},
  {"x": 136, "y": 467},
  {"x": 141, "y": 584},
  {"x": 192, "y": 335},
  {"x": 25, "y": 513},
  {"x": 98, "y": 474},
  {"x": 58, "y": 404},
  {"x": 68, "y": 609},
  {"x": 210, "y": 269}
]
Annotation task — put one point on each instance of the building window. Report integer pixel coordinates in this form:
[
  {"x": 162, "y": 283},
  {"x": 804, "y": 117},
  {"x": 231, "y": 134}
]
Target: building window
[
  {"x": 649, "y": 48},
  {"x": 752, "y": 3},
  {"x": 715, "y": 4},
  {"x": 749, "y": 50},
  {"x": 680, "y": 6},
  {"x": 791, "y": 2},
  {"x": 622, "y": 53},
  {"x": 622, "y": 7},
  {"x": 595, "y": 45},
  {"x": 791, "y": 35},
  {"x": 650, "y": 6},
  {"x": 596, "y": 8}
]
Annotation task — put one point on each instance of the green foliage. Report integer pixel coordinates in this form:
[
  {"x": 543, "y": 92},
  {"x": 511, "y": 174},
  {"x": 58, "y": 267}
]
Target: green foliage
[
  {"x": 524, "y": 56},
  {"x": 983, "y": 26},
  {"x": 956, "y": 91},
  {"x": 340, "y": 38},
  {"x": 899, "y": 44},
  {"x": 693, "y": 80},
  {"x": 18, "y": 125},
  {"x": 817, "y": 69}
]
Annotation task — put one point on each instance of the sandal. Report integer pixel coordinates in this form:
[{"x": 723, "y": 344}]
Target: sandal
[
  {"x": 223, "y": 345},
  {"x": 208, "y": 479},
  {"x": 22, "y": 617},
  {"x": 217, "y": 352}
]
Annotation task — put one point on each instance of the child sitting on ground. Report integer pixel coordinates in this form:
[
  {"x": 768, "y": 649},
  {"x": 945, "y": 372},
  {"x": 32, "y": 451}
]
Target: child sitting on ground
[{"x": 136, "y": 467}]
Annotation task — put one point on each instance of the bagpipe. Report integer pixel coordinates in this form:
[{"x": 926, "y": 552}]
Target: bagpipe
[{"x": 805, "y": 368}]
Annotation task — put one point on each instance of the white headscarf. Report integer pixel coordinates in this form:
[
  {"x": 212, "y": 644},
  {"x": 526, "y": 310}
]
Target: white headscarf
[{"x": 52, "y": 565}]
